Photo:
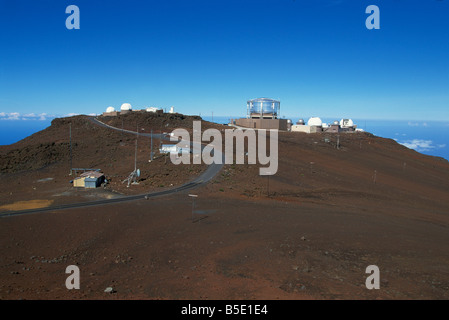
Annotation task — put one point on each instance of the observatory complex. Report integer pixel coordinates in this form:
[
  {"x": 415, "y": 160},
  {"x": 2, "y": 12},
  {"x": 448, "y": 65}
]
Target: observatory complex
[
  {"x": 262, "y": 113},
  {"x": 127, "y": 108},
  {"x": 315, "y": 124}
]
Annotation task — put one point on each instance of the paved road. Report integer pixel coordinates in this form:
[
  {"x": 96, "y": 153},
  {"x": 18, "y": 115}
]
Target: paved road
[{"x": 211, "y": 171}]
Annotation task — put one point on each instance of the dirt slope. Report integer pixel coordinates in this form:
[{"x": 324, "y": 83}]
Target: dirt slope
[
  {"x": 39, "y": 166},
  {"x": 308, "y": 232}
]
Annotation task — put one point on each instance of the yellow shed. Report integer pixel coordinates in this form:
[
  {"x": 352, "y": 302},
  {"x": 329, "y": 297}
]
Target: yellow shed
[{"x": 79, "y": 182}]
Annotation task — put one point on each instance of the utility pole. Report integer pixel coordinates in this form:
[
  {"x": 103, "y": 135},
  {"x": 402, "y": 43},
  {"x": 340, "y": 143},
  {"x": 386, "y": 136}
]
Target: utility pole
[
  {"x": 268, "y": 183},
  {"x": 70, "y": 134},
  {"x": 151, "y": 155},
  {"x": 135, "y": 158},
  {"x": 193, "y": 196},
  {"x": 268, "y": 186}
]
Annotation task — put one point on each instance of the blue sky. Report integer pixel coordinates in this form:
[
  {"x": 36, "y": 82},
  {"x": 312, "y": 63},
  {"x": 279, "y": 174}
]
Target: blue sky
[{"x": 315, "y": 56}]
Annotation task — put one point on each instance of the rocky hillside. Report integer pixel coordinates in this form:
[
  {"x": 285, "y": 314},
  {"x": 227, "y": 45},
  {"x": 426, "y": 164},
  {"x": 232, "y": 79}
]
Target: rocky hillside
[{"x": 46, "y": 154}]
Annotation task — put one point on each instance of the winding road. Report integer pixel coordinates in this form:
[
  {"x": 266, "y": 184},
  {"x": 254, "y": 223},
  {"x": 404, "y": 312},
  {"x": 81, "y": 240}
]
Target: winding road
[{"x": 211, "y": 171}]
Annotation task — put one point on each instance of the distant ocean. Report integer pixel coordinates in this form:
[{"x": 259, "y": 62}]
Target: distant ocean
[
  {"x": 427, "y": 137},
  {"x": 12, "y": 131}
]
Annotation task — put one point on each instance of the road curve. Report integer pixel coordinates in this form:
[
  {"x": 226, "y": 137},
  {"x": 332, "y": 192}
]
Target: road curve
[{"x": 211, "y": 171}]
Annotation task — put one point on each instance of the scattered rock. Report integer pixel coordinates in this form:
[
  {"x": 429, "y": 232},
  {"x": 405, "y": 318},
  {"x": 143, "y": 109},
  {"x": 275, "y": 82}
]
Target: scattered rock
[
  {"x": 303, "y": 238},
  {"x": 109, "y": 290}
]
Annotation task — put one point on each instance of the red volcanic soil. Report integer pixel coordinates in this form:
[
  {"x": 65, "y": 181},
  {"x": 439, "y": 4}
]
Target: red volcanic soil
[
  {"x": 308, "y": 232},
  {"x": 38, "y": 167}
]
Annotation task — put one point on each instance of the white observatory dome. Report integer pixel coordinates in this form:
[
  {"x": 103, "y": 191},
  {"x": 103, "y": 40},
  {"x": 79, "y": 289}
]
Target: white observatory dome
[
  {"x": 336, "y": 122},
  {"x": 125, "y": 107},
  {"x": 110, "y": 109},
  {"x": 315, "y": 121},
  {"x": 346, "y": 123}
]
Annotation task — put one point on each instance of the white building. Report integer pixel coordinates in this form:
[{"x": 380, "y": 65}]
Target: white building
[
  {"x": 173, "y": 148},
  {"x": 152, "y": 109}
]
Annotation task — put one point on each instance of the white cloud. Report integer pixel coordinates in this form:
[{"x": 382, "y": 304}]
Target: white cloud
[
  {"x": 12, "y": 116},
  {"x": 421, "y": 145},
  {"x": 36, "y": 116},
  {"x": 26, "y": 116},
  {"x": 417, "y": 124}
]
